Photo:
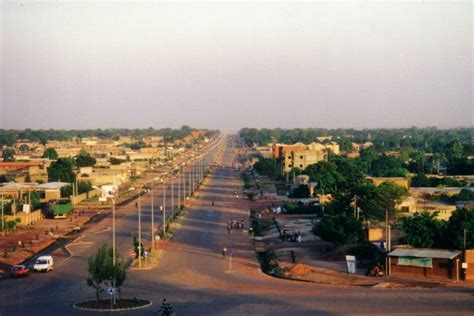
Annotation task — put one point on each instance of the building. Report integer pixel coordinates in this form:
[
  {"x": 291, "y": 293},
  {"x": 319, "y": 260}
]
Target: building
[
  {"x": 428, "y": 263},
  {"x": 302, "y": 159},
  {"x": 278, "y": 150}
]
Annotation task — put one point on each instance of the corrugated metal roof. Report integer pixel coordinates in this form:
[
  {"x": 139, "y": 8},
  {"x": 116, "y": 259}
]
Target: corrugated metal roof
[{"x": 424, "y": 253}]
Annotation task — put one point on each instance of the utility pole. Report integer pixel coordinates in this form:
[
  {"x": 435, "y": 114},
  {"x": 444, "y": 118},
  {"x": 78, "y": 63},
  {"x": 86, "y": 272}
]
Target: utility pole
[{"x": 355, "y": 206}]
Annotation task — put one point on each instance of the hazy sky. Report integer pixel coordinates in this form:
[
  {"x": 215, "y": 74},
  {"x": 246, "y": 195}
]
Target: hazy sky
[{"x": 229, "y": 65}]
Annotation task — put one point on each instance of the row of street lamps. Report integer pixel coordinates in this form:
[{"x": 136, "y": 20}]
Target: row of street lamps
[{"x": 198, "y": 168}]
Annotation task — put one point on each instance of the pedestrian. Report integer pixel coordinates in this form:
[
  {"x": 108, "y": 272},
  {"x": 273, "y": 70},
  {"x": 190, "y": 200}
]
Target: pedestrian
[
  {"x": 242, "y": 224},
  {"x": 224, "y": 252},
  {"x": 228, "y": 229}
]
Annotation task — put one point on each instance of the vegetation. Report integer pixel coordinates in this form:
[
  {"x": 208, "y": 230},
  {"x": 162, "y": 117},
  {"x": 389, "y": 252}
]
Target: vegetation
[
  {"x": 8, "y": 155},
  {"x": 62, "y": 170},
  {"x": 424, "y": 230},
  {"x": 302, "y": 209},
  {"x": 268, "y": 167},
  {"x": 421, "y": 180},
  {"x": 427, "y": 150},
  {"x": 300, "y": 192},
  {"x": 339, "y": 229},
  {"x": 102, "y": 271},
  {"x": 50, "y": 153},
  {"x": 84, "y": 159},
  {"x": 8, "y": 137}
]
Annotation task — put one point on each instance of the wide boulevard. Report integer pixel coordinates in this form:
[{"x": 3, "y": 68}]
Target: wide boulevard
[{"x": 196, "y": 279}]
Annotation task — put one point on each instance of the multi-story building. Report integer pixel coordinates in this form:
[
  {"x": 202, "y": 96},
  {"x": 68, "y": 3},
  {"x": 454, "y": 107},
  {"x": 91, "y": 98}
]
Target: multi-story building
[{"x": 302, "y": 158}]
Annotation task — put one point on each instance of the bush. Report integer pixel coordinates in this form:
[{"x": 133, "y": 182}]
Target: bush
[
  {"x": 268, "y": 262},
  {"x": 303, "y": 209},
  {"x": 339, "y": 229}
]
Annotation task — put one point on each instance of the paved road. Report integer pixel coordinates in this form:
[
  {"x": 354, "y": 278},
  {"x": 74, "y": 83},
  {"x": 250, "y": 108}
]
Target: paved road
[{"x": 198, "y": 281}]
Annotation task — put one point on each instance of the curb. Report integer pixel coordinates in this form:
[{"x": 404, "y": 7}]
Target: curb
[{"x": 110, "y": 310}]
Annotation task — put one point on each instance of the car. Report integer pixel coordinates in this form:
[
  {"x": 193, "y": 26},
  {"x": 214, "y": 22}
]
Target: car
[
  {"x": 43, "y": 263},
  {"x": 19, "y": 271}
]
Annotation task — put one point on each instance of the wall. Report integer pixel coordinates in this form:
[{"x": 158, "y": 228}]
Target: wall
[
  {"x": 469, "y": 258},
  {"x": 84, "y": 196},
  {"x": 26, "y": 218}
]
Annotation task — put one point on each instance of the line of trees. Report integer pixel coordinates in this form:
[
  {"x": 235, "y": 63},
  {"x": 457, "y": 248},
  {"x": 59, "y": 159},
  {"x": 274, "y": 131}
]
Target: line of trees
[
  {"x": 419, "y": 151},
  {"x": 424, "y": 230},
  {"x": 9, "y": 137}
]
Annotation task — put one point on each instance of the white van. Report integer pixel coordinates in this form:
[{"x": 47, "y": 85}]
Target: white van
[{"x": 43, "y": 263}]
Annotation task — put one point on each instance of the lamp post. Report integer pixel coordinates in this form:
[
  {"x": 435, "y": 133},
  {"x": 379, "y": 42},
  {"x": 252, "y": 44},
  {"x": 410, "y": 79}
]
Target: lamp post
[
  {"x": 153, "y": 216},
  {"x": 139, "y": 254},
  {"x": 164, "y": 207},
  {"x": 179, "y": 188},
  {"x": 3, "y": 220},
  {"x": 113, "y": 244},
  {"x": 172, "y": 194},
  {"x": 189, "y": 181},
  {"x": 184, "y": 184}
]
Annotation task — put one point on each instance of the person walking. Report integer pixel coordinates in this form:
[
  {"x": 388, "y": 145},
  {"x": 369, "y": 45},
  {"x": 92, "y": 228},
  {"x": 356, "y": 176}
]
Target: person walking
[{"x": 224, "y": 252}]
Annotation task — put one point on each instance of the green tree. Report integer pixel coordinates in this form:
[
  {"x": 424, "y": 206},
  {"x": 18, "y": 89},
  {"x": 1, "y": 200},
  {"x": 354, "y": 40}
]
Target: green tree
[
  {"x": 423, "y": 230},
  {"x": 268, "y": 167},
  {"x": 62, "y": 170},
  {"x": 460, "y": 220},
  {"x": 389, "y": 195},
  {"x": 102, "y": 271},
  {"x": 300, "y": 192},
  {"x": 327, "y": 176},
  {"x": 84, "y": 186},
  {"x": 84, "y": 159},
  {"x": 50, "y": 153},
  {"x": 339, "y": 229},
  {"x": 8, "y": 155}
]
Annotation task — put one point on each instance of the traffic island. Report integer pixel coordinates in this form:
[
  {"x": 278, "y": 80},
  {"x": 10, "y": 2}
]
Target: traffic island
[{"x": 121, "y": 305}]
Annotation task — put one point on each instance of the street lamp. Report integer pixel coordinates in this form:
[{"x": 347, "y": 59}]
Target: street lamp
[
  {"x": 164, "y": 207},
  {"x": 3, "y": 220},
  {"x": 153, "y": 216},
  {"x": 179, "y": 188}
]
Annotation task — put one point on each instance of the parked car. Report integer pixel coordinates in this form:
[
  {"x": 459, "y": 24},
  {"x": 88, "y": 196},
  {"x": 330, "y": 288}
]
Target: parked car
[
  {"x": 19, "y": 271},
  {"x": 43, "y": 263}
]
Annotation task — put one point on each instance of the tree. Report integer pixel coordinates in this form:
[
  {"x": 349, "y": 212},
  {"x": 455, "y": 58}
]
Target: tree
[
  {"x": 267, "y": 167},
  {"x": 327, "y": 176},
  {"x": 300, "y": 192},
  {"x": 62, "y": 170},
  {"x": 339, "y": 229},
  {"x": 423, "y": 230},
  {"x": 102, "y": 271},
  {"x": 389, "y": 195},
  {"x": 50, "y": 153},
  {"x": 8, "y": 155},
  {"x": 460, "y": 220},
  {"x": 84, "y": 159}
]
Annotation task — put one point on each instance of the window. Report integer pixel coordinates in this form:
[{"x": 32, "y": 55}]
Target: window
[
  {"x": 301, "y": 157},
  {"x": 289, "y": 157},
  {"x": 301, "y": 166}
]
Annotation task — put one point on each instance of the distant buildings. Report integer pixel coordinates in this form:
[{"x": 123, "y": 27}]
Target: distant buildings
[{"x": 300, "y": 155}]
